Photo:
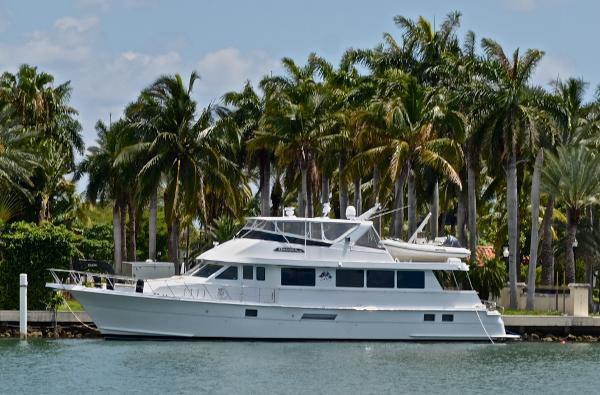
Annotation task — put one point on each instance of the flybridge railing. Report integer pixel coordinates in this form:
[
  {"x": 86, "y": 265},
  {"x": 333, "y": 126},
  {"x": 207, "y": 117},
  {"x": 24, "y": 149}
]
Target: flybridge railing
[
  {"x": 163, "y": 287},
  {"x": 98, "y": 280}
]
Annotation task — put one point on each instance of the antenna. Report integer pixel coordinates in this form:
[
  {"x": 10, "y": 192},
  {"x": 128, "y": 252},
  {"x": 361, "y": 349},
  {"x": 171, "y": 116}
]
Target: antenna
[{"x": 110, "y": 119}]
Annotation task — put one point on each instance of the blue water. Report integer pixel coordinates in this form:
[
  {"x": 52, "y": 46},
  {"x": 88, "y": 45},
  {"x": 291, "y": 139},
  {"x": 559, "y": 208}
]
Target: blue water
[{"x": 141, "y": 367}]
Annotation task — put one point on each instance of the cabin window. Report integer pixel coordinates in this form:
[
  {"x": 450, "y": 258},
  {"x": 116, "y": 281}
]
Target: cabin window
[
  {"x": 260, "y": 273},
  {"x": 429, "y": 317},
  {"x": 380, "y": 278},
  {"x": 369, "y": 239},
  {"x": 207, "y": 270},
  {"x": 298, "y": 276},
  {"x": 293, "y": 227},
  {"x": 350, "y": 278},
  {"x": 447, "y": 317},
  {"x": 334, "y": 230},
  {"x": 231, "y": 273},
  {"x": 411, "y": 279},
  {"x": 453, "y": 280},
  {"x": 247, "y": 272}
]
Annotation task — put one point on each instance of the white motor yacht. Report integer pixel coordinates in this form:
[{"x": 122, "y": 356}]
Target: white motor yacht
[{"x": 293, "y": 278}]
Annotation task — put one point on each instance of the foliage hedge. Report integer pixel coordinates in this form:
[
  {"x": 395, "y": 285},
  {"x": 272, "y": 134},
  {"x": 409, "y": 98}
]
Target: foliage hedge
[
  {"x": 488, "y": 278},
  {"x": 96, "y": 243},
  {"x": 31, "y": 249}
]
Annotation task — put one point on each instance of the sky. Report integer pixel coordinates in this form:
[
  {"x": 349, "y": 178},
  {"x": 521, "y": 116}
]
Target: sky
[{"x": 111, "y": 49}]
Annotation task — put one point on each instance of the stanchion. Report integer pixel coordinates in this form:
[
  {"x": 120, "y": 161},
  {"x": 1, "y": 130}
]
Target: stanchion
[{"x": 23, "y": 306}]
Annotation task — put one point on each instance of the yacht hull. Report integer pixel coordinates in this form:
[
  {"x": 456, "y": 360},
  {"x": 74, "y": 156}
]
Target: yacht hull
[{"x": 129, "y": 314}]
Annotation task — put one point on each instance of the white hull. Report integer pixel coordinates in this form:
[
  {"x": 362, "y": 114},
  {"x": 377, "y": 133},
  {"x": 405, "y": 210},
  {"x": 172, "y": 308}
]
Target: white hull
[
  {"x": 412, "y": 252},
  {"x": 133, "y": 314}
]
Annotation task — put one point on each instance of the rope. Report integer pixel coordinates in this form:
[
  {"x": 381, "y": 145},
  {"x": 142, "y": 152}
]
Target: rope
[
  {"x": 477, "y": 312},
  {"x": 77, "y": 318}
]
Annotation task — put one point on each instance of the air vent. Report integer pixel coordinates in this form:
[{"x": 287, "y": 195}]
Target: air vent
[{"x": 316, "y": 316}]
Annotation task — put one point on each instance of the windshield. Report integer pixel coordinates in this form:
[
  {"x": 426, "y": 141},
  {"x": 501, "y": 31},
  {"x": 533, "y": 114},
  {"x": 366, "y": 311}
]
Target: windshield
[{"x": 291, "y": 231}]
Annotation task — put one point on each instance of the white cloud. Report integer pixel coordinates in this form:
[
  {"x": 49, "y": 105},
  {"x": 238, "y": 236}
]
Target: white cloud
[
  {"x": 79, "y": 25},
  {"x": 227, "y": 69}
]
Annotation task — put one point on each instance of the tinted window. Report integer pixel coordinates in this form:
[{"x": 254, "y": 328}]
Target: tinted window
[
  {"x": 294, "y": 227},
  {"x": 349, "y": 278},
  {"x": 429, "y": 317},
  {"x": 334, "y": 230},
  {"x": 260, "y": 273},
  {"x": 380, "y": 279},
  {"x": 447, "y": 317},
  {"x": 298, "y": 276},
  {"x": 456, "y": 280},
  {"x": 247, "y": 272},
  {"x": 207, "y": 270},
  {"x": 369, "y": 239},
  {"x": 231, "y": 273},
  {"x": 410, "y": 279}
]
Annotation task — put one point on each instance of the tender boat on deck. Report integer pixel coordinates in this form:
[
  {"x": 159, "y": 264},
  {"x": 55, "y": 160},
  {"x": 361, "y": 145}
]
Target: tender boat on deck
[
  {"x": 435, "y": 251},
  {"x": 293, "y": 278}
]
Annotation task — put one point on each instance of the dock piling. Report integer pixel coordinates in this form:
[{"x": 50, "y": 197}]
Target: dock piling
[{"x": 23, "y": 306}]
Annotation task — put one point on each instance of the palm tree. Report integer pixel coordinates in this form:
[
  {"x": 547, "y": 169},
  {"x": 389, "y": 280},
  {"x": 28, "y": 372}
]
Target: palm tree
[
  {"x": 188, "y": 150},
  {"x": 570, "y": 176},
  {"x": 409, "y": 137},
  {"x": 572, "y": 118},
  {"x": 510, "y": 105},
  {"x": 16, "y": 160},
  {"x": 248, "y": 109},
  {"x": 295, "y": 116},
  {"x": 106, "y": 181},
  {"x": 43, "y": 108}
]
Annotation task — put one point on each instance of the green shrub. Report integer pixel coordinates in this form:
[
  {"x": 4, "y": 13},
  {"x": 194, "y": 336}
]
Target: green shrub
[
  {"x": 97, "y": 243},
  {"x": 488, "y": 279},
  {"x": 31, "y": 249}
]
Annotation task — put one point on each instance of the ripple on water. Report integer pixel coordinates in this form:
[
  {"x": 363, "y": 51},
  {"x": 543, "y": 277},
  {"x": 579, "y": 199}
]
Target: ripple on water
[{"x": 67, "y": 365}]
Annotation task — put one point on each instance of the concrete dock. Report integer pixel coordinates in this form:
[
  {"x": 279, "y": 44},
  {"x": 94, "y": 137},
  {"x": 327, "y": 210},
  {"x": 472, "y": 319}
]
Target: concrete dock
[{"x": 557, "y": 325}]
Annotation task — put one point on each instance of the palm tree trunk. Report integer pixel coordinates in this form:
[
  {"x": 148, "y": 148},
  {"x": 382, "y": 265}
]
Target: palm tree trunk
[
  {"x": 303, "y": 212},
  {"x": 43, "y": 213},
  {"x": 310, "y": 207},
  {"x": 131, "y": 225},
  {"x": 399, "y": 205},
  {"x": 435, "y": 209},
  {"x": 173, "y": 245},
  {"x": 513, "y": 223},
  {"x": 153, "y": 212},
  {"x": 324, "y": 189},
  {"x": 461, "y": 216},
  {"x": 117, "y": 257},
  {"x": 547, "y": 250},
  {"x": 265, "y": 183},
  {"x": 358, "y": 195},
  {"x": 412, "y": 203},
  {"x": 376, "y": 186},
  {"x": 570, "y": 254},
  {"x": 472, "y": 208},
  {"x": 343, "y": 185},
  {"x": 535, "y": 214},
  {"x": 123, "y": 207}
]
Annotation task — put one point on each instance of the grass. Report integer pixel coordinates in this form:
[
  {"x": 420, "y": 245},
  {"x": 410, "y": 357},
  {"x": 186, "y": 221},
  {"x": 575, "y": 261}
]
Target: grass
[
  {"x": 73, "y": 304},
  {"x": 529, "y": 312}
]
